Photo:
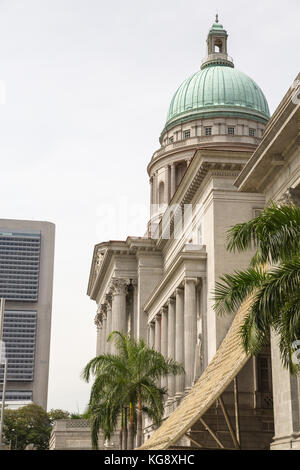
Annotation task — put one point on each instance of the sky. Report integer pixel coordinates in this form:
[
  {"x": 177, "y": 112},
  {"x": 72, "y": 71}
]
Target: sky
[{"x": 87, "y": 88}]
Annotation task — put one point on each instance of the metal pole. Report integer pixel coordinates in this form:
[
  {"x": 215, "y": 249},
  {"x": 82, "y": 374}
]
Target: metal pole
[
  {"x": 211, "y": 433},
  {"x": 2, "y": 309},
  {"x": 193, "y": 441},
  {"x": 236, "y": 409},
  {"x": 236, "y": 444}
]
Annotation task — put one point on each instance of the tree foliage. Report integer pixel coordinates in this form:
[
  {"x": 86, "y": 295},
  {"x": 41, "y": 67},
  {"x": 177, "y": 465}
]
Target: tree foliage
[
  {"x": 272, "y": 279},
  {"x": 127, "y": 380},
  {"x": 27, "y": 425}
]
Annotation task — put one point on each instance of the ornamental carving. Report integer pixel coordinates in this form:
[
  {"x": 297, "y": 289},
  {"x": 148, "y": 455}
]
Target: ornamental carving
[
  {"x": 100, "y": 315},
  {"x": 99, "y": 260},
  {"x": 119, "y": 287},
  {"x": 291, "y": 196}
]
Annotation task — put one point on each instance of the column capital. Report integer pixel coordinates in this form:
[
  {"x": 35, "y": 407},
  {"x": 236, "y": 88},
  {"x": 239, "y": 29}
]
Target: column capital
[
  {"x": 98, "y": 321},
  {"x": 108, "y": 299},
  {"x": 119, "y": 286},
  {"x": 164, "y": 310},
  {"x": 133, "y": 282},
  {"x": 179, "y": 290},
  {"x": 171, "y": 301},
  {"x": 104, "y": 311},
  {"x": 100, "y": 315}
]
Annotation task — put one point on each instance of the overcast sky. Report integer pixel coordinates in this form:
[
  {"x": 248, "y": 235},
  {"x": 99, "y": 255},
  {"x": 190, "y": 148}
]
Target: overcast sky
[{"x": 88, "y": 88}]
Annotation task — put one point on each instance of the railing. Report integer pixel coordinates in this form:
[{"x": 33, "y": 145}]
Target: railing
[{"x": 217, "y": 56}]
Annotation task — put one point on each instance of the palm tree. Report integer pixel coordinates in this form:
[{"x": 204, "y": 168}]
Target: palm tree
[
  {"x": 272, "y": 279},
  {"x": 127, "y": 380}
]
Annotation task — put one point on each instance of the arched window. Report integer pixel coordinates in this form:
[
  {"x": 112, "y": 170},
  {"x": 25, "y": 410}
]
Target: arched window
[
  {"x": 161, "y": 193},
  {"x": 218, "y": 45}
]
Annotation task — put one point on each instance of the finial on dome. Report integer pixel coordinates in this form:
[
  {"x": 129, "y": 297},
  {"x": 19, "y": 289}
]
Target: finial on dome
[{"x": 217, "y": 18}]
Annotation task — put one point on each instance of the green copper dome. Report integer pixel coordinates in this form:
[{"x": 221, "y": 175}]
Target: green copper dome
[{"x": 216, "y": 91}]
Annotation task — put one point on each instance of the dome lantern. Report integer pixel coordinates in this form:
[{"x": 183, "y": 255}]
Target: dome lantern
[{"x": 217, "y": 46}]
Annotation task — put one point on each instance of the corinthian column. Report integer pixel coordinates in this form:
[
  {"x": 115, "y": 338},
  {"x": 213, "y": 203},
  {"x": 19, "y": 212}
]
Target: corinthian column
[
  {"x": 99, "y": 333},
  {"x": 171, "y": 344},
  {"x": 108, "y": 323},
  {"x": 164, "y": 339},
  {"x": 103, "y": 335},
  {"x": 98, "y": 323},
  {"x": 157, "y": 333},
  {"x": 190, "y": 330},
  {"x": 173, "y": 179},
  {"x": 151, "y": 335},
  {"x": 179, "y": 343},
  {"x": 119, "y": 317},
  {"x": 157, "y": 338}
]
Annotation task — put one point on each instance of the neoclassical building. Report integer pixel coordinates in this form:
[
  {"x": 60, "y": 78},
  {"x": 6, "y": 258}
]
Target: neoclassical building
[{"x": 159, "y": 286}]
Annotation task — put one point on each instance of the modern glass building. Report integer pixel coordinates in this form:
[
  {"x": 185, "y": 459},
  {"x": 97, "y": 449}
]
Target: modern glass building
[{"x": 26, "y": 276}]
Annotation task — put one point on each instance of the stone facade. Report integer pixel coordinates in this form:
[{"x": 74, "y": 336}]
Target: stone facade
[
  {"x": 274, "y": 170},
  {"x": 158, "y": 287},
  {"x": 75, "y": 434}
]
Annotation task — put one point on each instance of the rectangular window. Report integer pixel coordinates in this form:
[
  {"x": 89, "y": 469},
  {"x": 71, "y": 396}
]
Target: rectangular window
[
  {"x": 208, "y": 131},
  {"x": 187, "y": 134},
  {"x": 252, "y": 132},
  {"x": 230, "y": 130}
]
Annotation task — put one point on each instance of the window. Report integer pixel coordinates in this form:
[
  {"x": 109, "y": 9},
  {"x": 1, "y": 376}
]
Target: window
[
  {"x": 208, "y": 131},
  {"x": 252, "y": 132},
  {"x": 264, "y": 373},
  {"x": 171, "y": 139},
  {"x": 230, "y": 130},
  {"x": 186, "y": 134}
]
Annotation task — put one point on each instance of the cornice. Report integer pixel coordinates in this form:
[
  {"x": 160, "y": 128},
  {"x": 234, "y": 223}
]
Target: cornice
[
  {"x": 215, "y": 146},
  {"x": 107, "y": 250},
  {"x": 283, "y": 121}
]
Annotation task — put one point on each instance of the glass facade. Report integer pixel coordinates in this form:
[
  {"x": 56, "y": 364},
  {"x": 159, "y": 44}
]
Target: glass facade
[
  {"x": 17, "y": 395},
  {"x": 19, "y": 336},
  {"x": 19, "y": 265}
]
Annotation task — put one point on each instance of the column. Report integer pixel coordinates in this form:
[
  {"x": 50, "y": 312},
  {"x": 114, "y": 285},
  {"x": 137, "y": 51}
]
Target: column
[
  {"x": 285, "y": 402},
  {"x": 98, "y": 323},
  {"x": 204, "y": 321},
  {"x": 98, "y": 345},
  {"x": 179, "y": 343},
  {"x": 155, "y": 199},
  {"x": 108, "y": 323},
  {"x": 164, "y": 340},
  {"x": 151, "y": 335},
  {"x": 103, "y": 332},
  {"x": 157, "y": 338},
  {"x": 157, "y": 333},
  {"x": 135, "y": 309},
  {"x": 151, "y": 190},
  {"x": 173, "y": 179},
  {"x": 171, "y": 344},
  {"x": 166, "y": 192},
  {"x": 103, "y": 336},
  {"x": 190, "y": 330},
  {"x": 119, "y": 318}
]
